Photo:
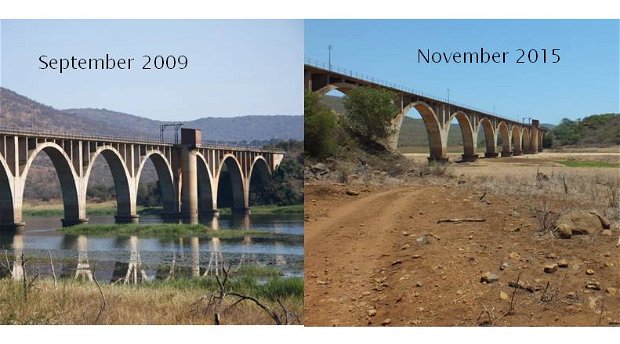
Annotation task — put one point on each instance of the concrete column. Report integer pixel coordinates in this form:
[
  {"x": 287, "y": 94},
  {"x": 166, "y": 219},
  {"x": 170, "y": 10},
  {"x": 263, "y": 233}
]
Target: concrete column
[{"x": 189, "y": 191}]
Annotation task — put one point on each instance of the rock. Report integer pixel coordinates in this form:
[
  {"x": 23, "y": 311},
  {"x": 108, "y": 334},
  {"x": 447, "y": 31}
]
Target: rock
[
  {"x": 563, "y": 263},
  {"x": 550, "y": 268},
  {"x": 604, "y": 221},
  {"x": 319, "y": 168},
  {"x": 609, "y": 264},
  {"x": 593, "y": 285},
  {"x": 351, "y": 192},
  {"x": 418, "y": 284},
  {"x": 422, "y": 240},
  {"x": 514, "y": 256},
  {"x": 503, "y": 296},
  {"x": 590, "y": 272},
  {"x": 416, "y": 256},
  {"x": 396, "y": 262},
  {"x": 386, "y": 322},
  {"x": 504, "y": 266},
  {"x": 580, "y": 222},
  {"x": 488, "y": 277},
  {"x": 606, "y": 232},
  {"x": 611, "y": 291},
  {"x": 405, "y": 246},
  {"x": 372, "y": 312}
]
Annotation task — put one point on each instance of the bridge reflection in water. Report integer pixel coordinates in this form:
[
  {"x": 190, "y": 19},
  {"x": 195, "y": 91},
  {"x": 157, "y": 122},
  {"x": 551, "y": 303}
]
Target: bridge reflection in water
[{"x": 121, "y": 259}]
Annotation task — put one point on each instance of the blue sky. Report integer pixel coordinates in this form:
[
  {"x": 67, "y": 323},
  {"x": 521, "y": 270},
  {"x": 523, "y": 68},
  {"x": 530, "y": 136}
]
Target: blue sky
[
  {"x": 242, "y": 67},
  {"x": 584, "y": 82}
]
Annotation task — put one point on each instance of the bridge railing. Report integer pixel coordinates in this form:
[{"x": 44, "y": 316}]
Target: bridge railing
[
  {"x": 120, "y": 139},
  {"x": 382, "y": 82}
]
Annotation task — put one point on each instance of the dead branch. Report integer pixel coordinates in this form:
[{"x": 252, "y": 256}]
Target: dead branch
[
  {"x": 269, "y": 311},
  {"x": 103, "y": 300},
  {"x": 481, "y": 197},
  {"x": 53, "y": 271},
  {"x": 462, "y": 220},
  {"x": 512, "y": 299},
  {"x": 600, "y": 317}
]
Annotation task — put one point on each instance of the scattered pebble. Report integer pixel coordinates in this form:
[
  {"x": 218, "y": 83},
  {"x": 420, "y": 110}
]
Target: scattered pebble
[
  {"x": 504, "y": 266},
  {"x": 503, "y": 295},
  {"x": 593, "y": 285},
  {"x": 550, "y": 268},
  {"x": 563, "y": 263},
  {"x": 372, "y": 312},
  {"x": 386, "y": 322},
  {"x": 611, "y": 291},
  {"x": 590, "y": 272},
  {"x": 488, "y": 277}
]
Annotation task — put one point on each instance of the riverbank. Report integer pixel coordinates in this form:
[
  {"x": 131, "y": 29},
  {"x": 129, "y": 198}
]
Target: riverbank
[
  {"x": 55, "y": 208},
  {"x": 176, "y": 301},
  {"x": 172, "y": 229}
]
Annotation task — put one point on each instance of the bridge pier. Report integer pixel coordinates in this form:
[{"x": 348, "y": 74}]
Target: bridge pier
[
  {"x": 517, "y": 153},
  {"x": 126, "y": 218},
  {"x": 73, "y": 222},
  {"x": 189, "y": 187},
  {"x": 441, "y": 160},
  {"x": 469, "y": 157},
  {"x": 491, "y": 155},
  {"x": 506, "y": 154}
]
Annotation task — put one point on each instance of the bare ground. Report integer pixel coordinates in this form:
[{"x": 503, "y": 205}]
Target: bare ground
[{"x": 366, "y": 266}]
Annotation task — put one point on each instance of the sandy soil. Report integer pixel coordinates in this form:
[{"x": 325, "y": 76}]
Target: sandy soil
[{"x": 365, "y": 264}]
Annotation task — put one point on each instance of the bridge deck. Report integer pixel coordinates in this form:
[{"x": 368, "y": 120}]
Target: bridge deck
[
  {"x": 126, "y": 140},
  {"x": 360, "y": 78}
]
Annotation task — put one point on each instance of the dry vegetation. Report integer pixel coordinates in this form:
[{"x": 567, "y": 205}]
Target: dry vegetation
[{"x": 73, "y": 302}]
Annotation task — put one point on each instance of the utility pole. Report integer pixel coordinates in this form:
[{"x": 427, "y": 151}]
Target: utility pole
[{"x": 329, "y": 52}]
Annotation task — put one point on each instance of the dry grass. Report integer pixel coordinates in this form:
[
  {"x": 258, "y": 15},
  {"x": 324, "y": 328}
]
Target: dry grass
[
  {"x": 559, "y": 192},
  {"x": 76, "y": 303}
]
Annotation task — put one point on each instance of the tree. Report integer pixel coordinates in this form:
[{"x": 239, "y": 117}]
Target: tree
[
  {"x": 319, "y": 127},
  {"x": 569, "y": 132},
  {"x": 370, "y": 112}
]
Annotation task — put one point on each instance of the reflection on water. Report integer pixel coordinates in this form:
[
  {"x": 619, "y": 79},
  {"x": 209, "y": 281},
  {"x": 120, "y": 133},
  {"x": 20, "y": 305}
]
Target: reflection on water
[{"x": 132, "y": 259}]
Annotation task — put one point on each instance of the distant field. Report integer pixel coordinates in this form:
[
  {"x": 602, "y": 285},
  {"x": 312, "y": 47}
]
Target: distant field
[
  {"x": 576, "y": 163},
  {"x": 424, "y": 149}
]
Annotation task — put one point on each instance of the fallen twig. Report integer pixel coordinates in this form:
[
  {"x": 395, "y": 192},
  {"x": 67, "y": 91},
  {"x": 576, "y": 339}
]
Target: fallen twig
[{"x": 462, "y": 220}]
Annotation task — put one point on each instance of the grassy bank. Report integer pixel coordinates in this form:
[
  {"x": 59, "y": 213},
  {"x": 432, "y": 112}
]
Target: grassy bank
[
  {"x": 182, "y": 301},
  {"x": 163, "y": 229},
  {"x": 109, "y": 208},
  {"x": 595, "y": 164}
]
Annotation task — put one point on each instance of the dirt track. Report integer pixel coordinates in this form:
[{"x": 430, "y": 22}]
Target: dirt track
[{"x": 364, "y": 264}]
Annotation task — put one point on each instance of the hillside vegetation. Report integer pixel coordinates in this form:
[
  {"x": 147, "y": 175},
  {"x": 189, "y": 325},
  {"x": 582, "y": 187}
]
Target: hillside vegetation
[{"x": 596, "y": 130}]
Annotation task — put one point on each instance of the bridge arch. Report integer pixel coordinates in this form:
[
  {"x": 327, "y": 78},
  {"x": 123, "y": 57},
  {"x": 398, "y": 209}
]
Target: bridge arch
[
  {"x": 207, "y": 192},
  {"x": 164, "y": 176},
  {"x": 504, "y": 133},
  {"x": 467, "y": 132},
  {"x": 516, "y": 139},
  {"x": 526, "y": 139},
  {"x": 339, "y": 86},
  {"x": 74, "y": 205},
  {"x": 436, "y": 140},
  {"x": 7, "y": 210},
  {"x": 237, "y": 182},
  {"x": 489, "y": 136},
  {"x": 259, "y": 169},
  {"x": 125, "y": 194}
]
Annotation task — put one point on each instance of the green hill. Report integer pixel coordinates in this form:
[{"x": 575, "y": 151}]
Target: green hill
[{"x": 597, "y": 130}]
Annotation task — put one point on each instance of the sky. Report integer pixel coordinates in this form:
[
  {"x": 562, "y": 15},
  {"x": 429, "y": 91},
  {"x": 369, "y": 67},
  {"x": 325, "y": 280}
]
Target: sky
[
  {"x": 584, "y": 82},
  {"x": 235, "y": 67}
]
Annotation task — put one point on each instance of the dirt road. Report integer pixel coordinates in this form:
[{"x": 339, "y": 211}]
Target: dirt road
[{"x": 382, "y": 258}]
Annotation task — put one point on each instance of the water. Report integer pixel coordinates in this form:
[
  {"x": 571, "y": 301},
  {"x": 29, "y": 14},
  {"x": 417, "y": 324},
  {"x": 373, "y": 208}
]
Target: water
[{"x": 111, "y": 256}]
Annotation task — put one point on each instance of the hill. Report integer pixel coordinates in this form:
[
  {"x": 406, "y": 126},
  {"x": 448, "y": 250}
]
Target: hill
[
  {"x": 597, "y": 130},
  {"x": 17, "y": 111}
]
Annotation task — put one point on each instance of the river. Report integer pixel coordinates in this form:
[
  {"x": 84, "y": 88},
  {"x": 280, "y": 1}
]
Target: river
[{"x": 111, "y": 256}]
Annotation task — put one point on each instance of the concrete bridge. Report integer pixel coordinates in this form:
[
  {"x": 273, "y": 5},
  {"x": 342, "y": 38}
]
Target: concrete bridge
[
  {"x": 189, "y": 172},
  {"x": 437, "y": 114}
]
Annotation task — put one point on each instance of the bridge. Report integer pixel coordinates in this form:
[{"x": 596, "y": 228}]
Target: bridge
[
  {"x": 189, "y": 172},
  {"x": 437, "y": 114}
]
